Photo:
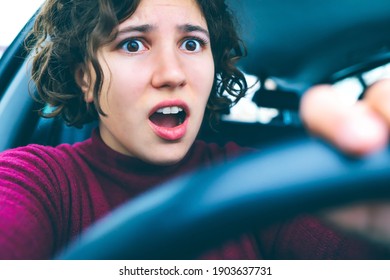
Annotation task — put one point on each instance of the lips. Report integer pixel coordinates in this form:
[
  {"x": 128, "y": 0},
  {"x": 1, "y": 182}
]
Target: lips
[{"x": 169, "y": 119}]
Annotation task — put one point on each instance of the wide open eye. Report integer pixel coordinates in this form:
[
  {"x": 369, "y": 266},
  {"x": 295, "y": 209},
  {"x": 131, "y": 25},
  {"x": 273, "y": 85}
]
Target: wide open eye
[
  {"x": 192, "y": 45},
  {"x": 133, "y": 46}
]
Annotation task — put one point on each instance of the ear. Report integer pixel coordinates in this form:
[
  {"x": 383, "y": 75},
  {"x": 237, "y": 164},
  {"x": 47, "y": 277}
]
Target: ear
[{"x": 84, "y": 82}]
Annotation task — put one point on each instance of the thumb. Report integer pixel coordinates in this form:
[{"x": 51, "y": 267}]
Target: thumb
[{"x": 355, "y": 129}]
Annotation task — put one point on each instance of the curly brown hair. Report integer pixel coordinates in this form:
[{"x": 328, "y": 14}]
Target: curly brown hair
[{"x": 68, "y": 33}]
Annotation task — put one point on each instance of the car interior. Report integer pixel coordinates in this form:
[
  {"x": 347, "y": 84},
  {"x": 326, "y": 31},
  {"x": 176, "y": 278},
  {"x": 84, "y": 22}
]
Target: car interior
[{"x": 291, "y": 46}]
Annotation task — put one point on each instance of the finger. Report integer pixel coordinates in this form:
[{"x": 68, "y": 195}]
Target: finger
[
  {"x": 356, "y": 129},
  {"x": 370, "y": 220},
  {"x": 378, "y": 98}
]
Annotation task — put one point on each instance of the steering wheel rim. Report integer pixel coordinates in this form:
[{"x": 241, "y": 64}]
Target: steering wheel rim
[{"x": 181, "y": 218}]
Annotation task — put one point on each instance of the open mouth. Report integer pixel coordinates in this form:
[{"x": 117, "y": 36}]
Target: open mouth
[{"x": 168, "y": 117}]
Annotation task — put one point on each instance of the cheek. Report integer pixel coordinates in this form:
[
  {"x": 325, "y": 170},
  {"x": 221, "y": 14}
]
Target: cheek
[
  {"x": 122, "y": 92},
  {"x": 204, "y": 77}
]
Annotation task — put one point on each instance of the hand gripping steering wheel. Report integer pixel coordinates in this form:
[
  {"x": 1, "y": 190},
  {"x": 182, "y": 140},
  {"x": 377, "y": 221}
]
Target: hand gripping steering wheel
[{"x": 183, "y": 217}]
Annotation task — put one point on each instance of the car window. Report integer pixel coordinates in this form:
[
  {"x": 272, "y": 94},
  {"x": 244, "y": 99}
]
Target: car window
[{"x": 13, "y": 16}]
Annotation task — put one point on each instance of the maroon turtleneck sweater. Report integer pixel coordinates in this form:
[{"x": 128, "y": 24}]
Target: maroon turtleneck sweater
[{"x": 48, "y": 195}]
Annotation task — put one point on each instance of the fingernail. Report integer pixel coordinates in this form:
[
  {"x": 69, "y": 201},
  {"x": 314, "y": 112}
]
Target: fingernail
[{"x": 362, "y": 134}]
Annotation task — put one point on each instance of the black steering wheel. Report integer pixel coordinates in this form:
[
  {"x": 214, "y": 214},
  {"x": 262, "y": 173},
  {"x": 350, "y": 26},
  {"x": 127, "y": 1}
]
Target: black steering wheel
[
  {"x": 300, "y": 43},
  {"x": 183, "y": 217}
]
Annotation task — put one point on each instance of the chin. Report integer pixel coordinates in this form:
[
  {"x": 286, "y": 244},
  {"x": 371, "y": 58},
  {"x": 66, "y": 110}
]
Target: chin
[
  {"x": 167, "y": 153},
  {"x": 169, "y": 160},
  {"x": 169, "y": 157}
]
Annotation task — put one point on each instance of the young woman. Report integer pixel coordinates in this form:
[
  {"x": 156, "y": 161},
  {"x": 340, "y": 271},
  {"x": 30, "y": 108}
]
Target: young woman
[{"x": 148, "y": 71}]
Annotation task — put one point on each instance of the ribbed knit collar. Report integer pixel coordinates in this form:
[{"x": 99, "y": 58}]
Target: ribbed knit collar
[{"x": 98, "y": 152}]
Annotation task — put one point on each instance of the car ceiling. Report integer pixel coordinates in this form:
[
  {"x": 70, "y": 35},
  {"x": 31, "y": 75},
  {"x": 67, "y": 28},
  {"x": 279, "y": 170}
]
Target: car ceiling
[{"x": 304, "y": 42}]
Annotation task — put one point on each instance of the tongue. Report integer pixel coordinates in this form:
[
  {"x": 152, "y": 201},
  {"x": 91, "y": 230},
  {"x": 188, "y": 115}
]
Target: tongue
[{"x": 164, "y": 120}]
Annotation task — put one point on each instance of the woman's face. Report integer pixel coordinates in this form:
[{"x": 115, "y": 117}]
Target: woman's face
[{"x": 158, "y": 73}]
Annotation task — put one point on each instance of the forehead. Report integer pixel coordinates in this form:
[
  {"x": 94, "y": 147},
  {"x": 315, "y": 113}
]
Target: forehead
[{"x": 159, "y": 11}]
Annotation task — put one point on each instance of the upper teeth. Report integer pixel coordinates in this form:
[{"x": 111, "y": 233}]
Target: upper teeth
[{"x": 170, "y": 110}]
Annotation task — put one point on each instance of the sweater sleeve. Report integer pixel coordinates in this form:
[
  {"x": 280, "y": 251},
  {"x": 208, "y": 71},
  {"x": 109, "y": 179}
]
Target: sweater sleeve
[{"x": 28, "y": 205}]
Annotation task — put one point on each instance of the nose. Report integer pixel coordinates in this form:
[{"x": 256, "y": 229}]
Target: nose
[{"x": 169, "y": 69}]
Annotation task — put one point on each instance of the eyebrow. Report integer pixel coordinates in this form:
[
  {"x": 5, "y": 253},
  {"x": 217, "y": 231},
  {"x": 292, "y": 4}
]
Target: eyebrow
[
  {"x": 140, "y": 28},
  {"x": 145, "y": 28},
  {"x": 191, "y": 28}
]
